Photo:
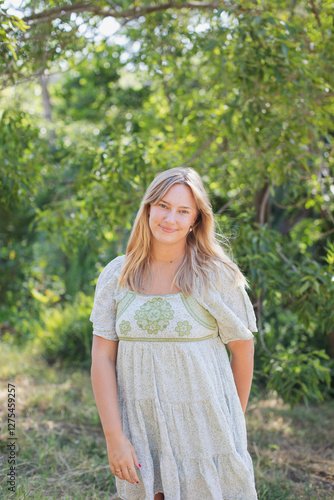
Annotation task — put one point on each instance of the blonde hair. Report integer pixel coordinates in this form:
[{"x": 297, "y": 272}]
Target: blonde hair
[{"x": 203, "y": 251}]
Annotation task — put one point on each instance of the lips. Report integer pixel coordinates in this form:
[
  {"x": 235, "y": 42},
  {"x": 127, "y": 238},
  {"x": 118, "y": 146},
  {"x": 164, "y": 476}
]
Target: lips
[{"x": 168, "y": 230}]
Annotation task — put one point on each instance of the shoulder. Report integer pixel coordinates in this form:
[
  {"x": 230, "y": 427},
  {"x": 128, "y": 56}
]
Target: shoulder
[
  {"x": 114, "y": 264},
  {"x": 221, "y": 277},
  {"x": 229, "y": 304},
  {"x": 111, "y": 271}
]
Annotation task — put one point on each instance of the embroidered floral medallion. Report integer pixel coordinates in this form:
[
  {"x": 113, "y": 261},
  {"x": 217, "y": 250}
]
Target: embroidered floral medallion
[
  {"x": 183, "y": 328},
  {"x": 125, "y": 327},
  {"x": 154, "y": 315}
]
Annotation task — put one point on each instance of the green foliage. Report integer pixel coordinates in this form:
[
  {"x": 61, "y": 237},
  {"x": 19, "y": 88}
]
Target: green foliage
[
  {"x": 300, "y": 377},
  {"x": 22, "y": 152},
  {"x": 296, "y": 294},
  {"x": 244, "y": 96},
  {"x": 65, "y": 333},
  {"x": 93, "y": 91},
  {"x": 10, "y": 26},
  {"x": 21, "y": 190}
]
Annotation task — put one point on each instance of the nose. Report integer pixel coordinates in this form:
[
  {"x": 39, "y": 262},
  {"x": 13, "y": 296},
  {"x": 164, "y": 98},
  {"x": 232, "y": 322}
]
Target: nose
[{"x": 170, "y": 217}]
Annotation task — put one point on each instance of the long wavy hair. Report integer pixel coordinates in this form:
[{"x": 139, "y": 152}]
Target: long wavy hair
[{"x": 203, "y": 250}]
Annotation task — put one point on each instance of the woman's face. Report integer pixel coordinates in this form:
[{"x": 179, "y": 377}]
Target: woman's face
[{"x": 171, "y": 218}]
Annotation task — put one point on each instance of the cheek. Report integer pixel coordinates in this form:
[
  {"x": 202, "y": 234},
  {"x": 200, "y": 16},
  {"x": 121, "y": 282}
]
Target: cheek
[
  {"x": 155, "y": 217},
  {"x": 188, "y": 220}
]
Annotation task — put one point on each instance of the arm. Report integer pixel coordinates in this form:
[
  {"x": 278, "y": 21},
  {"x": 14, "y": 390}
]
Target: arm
[
  {"x": 242, "y": 364},
  {"x": 103, "y": 375},
  {"x": 121, "y": 453}
]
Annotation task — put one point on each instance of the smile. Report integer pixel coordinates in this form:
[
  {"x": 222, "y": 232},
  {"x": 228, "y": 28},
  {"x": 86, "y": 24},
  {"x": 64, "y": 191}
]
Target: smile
[{"x": 167, "y": 230}]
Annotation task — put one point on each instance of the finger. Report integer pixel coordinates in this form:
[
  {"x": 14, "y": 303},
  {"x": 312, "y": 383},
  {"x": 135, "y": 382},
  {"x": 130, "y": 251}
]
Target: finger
[
  {"x": 133, "y": 473},
  {"x": 136, "y": 461},
  {"x": 126, "y": 474},
  {"x": 116, "y": 472},
  {"x": 135, "y": 458}
]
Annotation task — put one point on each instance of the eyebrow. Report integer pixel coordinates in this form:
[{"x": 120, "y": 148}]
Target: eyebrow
[{"x": 189, "y": 208}]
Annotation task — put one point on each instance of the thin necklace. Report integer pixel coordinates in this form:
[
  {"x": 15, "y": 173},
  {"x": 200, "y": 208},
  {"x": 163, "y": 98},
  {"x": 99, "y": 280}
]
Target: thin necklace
[{"x": 170, "y": 261}]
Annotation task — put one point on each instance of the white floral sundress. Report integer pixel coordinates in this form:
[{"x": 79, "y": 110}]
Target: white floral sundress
[{"x": 177, "y": 398}]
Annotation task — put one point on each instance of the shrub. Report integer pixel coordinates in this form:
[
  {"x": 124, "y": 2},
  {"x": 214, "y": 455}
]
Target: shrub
[{"x": 64, "y": 334}]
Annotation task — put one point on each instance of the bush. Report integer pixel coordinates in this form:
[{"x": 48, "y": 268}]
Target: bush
[
  {"x": 64, "y": 334},
  {"x": 298, "y": 377}
]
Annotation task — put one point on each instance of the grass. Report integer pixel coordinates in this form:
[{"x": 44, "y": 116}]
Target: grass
[
  {"x": 293, "y": 451},
  {"x": 61, "y": 451}
]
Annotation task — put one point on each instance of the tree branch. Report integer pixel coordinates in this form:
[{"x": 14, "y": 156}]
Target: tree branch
[
  {"x": 316, "y": 13},
  {"x": 264, "y": 203},
  {"x": 322, "y": 188},
  {"x": 66, "y": 10},
  {"x": 200, "y": 150},
  {"x": 231, "y": 200},
  {"x": 295, "y": 205}
]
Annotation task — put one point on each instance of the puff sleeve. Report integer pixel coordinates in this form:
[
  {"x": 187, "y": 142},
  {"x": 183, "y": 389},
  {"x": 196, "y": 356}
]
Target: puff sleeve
[
  {"x": 103, "y": 314},
  {"x": 231, "y": 307},
  {"x": 237, "y": 299}
]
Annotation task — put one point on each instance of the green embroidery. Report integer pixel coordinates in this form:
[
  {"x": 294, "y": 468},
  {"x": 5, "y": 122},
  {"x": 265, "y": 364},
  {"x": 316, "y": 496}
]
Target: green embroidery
[
  {"x": 154, "y": 315},
  {"x": 125, "y": 327},
  {"x": 183, "y": 328},
  {"x": 124, "y": 304},
  {"x": 201, "y": 315},
  {"x": 164, "y": 339}
]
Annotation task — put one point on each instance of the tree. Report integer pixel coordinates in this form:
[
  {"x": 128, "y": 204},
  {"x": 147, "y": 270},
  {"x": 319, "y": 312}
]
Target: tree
[{"x": 245, "y": 96}]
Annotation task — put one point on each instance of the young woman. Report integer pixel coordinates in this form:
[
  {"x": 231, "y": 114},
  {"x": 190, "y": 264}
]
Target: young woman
[{"x": 171, "y": 403}]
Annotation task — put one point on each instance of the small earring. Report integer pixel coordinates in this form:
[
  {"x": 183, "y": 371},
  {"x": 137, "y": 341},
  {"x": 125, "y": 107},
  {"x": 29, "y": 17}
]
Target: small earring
[{"x": 190, "y": 229}]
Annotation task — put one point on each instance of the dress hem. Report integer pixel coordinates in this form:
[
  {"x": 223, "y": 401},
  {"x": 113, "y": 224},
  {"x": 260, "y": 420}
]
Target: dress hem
[{"x": 124, "y": 498}]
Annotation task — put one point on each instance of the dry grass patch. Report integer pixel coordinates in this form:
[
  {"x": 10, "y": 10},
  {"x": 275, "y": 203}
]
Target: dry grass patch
[{"x": 293, "y": 451}]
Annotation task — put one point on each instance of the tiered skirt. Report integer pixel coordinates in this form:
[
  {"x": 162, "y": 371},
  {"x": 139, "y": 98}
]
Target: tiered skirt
[{"x": 180, "y": 410}]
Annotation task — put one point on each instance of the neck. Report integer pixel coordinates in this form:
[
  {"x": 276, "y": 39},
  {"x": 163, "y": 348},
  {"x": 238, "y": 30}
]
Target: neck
[{"x": 168, "y": 255}]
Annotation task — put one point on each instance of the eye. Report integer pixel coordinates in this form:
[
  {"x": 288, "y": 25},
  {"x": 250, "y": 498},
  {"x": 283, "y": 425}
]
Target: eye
[
  {"x": 184, "y": 212},
  {"x": 162, "y": 205}
]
